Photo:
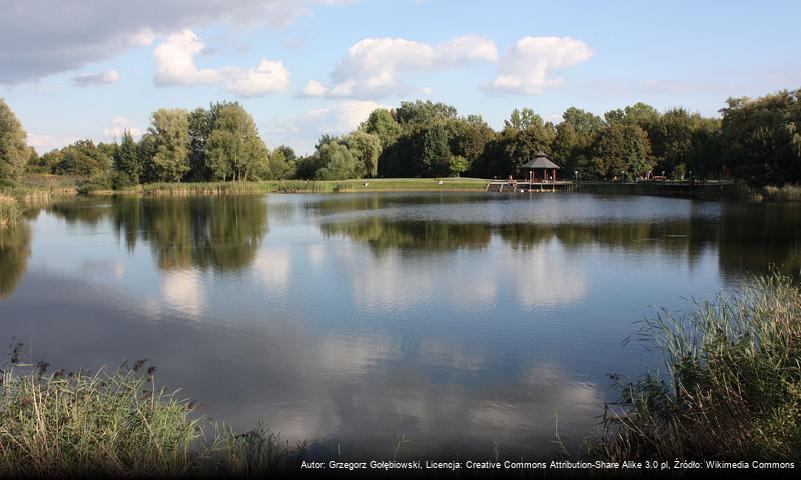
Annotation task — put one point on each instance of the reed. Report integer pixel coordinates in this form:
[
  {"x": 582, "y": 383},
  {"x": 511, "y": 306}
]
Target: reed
[
  {"x": 116, "y": 423},
  {"x": 10, "y": 210},
  {"x": 731, "y": 386}
]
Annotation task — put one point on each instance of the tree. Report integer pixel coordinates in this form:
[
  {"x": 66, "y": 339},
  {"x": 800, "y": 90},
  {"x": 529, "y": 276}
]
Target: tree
[
  {"x": 169, "y": 134},
  {"x": 419, "y": 112},
  {"x": 575, "y": 137},
  {"x": 523, "y": 119},
  {"x": 436, "y": 153},
  {"x": 14, "y": 152},
  {"x": 382, "y": 123},
  {"x": 468, "y": 138},
  {"x": 763, "y": 137},
  {"x": 366, "y": 149},
  {"x": 337, "y": 162},
  {"x": 621, "y": 150},
  {"x": 82, "y": 158},
  {"x": 127, "y": 163},
  {"x": 234, "y": 150}
]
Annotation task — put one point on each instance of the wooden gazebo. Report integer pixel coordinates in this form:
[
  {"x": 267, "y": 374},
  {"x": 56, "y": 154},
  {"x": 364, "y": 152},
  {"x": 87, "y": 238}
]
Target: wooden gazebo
[{"x": 538, "y": 168}]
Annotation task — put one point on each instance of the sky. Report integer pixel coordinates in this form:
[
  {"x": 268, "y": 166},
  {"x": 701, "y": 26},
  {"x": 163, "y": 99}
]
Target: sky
[{"x": 73, "y": 69}]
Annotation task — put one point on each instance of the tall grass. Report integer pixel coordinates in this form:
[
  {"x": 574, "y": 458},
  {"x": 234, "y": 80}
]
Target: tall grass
[
  {"x": 10, "y": 210},
  {"x": 732, "y": 384},
  {"x": 116, "y": 423}
]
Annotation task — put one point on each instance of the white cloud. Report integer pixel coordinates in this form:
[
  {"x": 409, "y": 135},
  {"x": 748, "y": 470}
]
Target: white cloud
[
  {"x": 118, "y": 125},
  {"x": 44, "y": 37},
  {"x": 373, "y": 66},
  {"x": 340, "y": 118},
  {"x": 44, "y": 142},
  {"x": 526, "y": 67},
  {"x": 175, "y": 65},
  {"x": 313, "y": 89},
  {"x": 102, "y": 78}
]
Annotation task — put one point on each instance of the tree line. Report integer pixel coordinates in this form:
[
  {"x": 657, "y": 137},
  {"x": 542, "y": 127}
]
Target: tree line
[{"x": 757, "y": 140}]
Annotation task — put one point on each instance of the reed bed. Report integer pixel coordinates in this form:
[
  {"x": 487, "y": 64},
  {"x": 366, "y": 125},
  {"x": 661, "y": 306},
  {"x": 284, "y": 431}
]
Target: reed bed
[
  {"x": 10, "y": 210},
  {"x": 117, "y": 423},
  {"x": 731, "y": 388}
]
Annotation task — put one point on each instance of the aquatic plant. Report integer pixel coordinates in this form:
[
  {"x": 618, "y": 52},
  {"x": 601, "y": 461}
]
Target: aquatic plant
[
  {"x": 115, "y": 423},
  {"x": 732, "y": 384},
  {"x": 10, "y": 210}
]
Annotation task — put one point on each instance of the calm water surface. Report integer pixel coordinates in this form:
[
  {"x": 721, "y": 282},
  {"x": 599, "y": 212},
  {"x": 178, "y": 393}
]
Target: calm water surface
[{"x": 457, "y": 320}]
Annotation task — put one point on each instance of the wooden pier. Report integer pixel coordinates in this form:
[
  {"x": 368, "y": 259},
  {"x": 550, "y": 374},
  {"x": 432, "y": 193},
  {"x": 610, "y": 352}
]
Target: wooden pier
[{"x": 527, "y": 186}]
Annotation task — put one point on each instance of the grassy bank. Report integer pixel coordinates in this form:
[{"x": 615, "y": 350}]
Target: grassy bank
[
  {"x": 731, "y": 388},
  {"x": 310, "y": 186},
  {"x": 116, "y": 423}
]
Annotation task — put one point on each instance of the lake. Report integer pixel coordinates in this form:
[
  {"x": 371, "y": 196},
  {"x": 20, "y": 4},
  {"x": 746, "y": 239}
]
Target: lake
[{"x": 462, "y": 322}]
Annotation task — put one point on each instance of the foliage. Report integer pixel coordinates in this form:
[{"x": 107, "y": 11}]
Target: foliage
[
  {"x": 366, "y": 150},
  {"x": 621, "y": 150},
  {"x": 14, "y": 153},
  {"x": 732, "y": 386},
  {"x": 127, "y": 163},
  {"x": 168, "y": 152},
  {"x": 82, "y": 158},
  {"x": 337, "y": 162},
  {"x": 763, "y": 137},
  {"x": 233, "y": 148}
]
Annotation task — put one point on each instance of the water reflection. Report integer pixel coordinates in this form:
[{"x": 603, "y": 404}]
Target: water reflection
[
  {"x": 223, "y": 233},
  {"x": 453, "y": 319},
  {"x": 15, "y": 249}
]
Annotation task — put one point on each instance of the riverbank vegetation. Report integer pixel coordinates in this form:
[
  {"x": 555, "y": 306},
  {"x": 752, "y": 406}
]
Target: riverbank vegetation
[
  {"x": 755, "y": 140},
  {"x": 732, "y": 384},
  {"x": 116, "y": 423},
  {"x": 10, "y": 210}
]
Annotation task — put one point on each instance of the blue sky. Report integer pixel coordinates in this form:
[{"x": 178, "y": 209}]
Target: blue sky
[{"x": 82, "y": 69}]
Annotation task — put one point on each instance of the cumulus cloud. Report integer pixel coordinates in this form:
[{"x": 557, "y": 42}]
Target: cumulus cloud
[
  {"x": 89, "y": 79},
  {"x": 313, "y": 89},
  {"x": 527, "y": 66},
  {"x": 340, "y": 118},
  {"x": 372, "y": 67},
  {"x": 118, "y": 125},
  {"x": 43, "y": 37},
  {"x": 175, "y": 65}
]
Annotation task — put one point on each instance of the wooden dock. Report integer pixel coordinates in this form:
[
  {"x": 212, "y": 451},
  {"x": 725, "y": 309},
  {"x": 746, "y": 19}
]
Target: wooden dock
[{"x": 526, "y": 186}]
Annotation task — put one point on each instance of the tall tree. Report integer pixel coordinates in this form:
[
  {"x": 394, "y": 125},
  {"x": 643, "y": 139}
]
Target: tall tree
[
  {"x": 419, "y": 112},
  {"x": 622, "y": 151},
  {"x": 366, "y": 149},
  {"x": 382, "y": 123},
  {"x": 14, "y": 153},
  {"x": 234, "y": 150},
  {"x": 169, "y": 132},
  {"x": 127, "y": 162}
]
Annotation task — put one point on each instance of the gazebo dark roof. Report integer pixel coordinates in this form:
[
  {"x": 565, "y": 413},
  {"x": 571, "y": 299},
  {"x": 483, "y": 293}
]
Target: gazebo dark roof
[{"x": 540, "y": 161}]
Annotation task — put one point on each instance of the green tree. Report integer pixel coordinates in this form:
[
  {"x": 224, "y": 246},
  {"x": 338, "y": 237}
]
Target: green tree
[
  {"x": 436, "y": 152},
  {"x": 523, "y": 119},
  {"x": 763, "y": 137},
  {"x": 468, "y": 138},
  {"x": 14, "y": 153},
  {"x": 234, "y": 150},
  {"x": 168, "y": 143},
  {"x": 366, "y": 149},
  {"x": 336, "y": 160},
  {"x": 127, "y": 163},
  {"x": 621, "y": 150},
  {"x": 382, "y": 123},
  {"x": 82, "y": 158},
  {"x": 419, "y": 112}
]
